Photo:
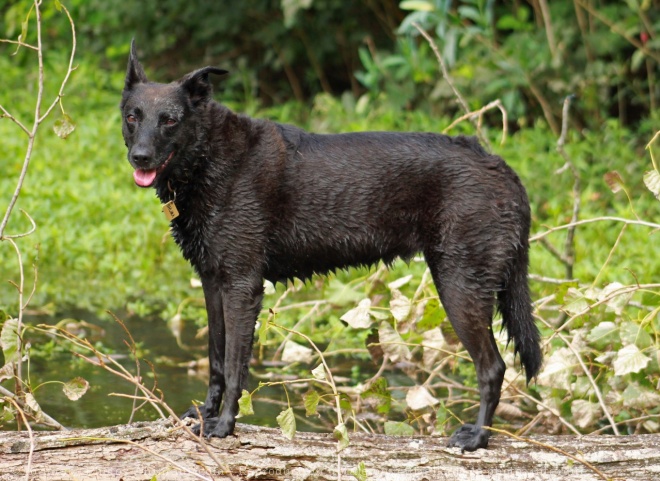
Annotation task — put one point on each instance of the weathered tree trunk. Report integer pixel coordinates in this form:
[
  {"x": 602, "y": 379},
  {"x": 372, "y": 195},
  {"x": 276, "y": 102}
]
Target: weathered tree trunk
[{"x": 145, "y": 451}]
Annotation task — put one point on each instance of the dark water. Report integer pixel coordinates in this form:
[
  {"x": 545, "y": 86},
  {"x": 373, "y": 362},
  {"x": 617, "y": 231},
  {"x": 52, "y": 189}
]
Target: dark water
[{"x": 179, "y": 383}]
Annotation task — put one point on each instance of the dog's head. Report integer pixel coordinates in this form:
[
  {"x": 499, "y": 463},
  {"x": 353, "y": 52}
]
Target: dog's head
[{"x": 159, "y": 120}]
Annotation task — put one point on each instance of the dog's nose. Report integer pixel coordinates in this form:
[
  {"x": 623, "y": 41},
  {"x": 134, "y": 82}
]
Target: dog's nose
[{"x": 141, "y": 156}]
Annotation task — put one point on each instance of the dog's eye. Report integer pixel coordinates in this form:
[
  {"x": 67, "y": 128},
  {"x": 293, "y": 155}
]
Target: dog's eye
[
  {"x": 170, "y": 121},
  {"x": 131, "y": 119}
]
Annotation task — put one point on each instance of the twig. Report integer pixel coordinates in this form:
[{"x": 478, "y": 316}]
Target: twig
[
  {"x": 545, "y": 11},
  {"x": 150, "y": 451},
  {"x": 551, "y": 448},
  {"x": 550, "y": 230},
  {"x": 479, "y": 113},
  {"x": 449, "y": 80}
]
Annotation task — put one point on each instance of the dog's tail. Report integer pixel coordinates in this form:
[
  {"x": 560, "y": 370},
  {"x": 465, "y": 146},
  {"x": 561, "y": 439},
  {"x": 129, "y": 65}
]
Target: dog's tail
[{"x": 515, "y": 304}]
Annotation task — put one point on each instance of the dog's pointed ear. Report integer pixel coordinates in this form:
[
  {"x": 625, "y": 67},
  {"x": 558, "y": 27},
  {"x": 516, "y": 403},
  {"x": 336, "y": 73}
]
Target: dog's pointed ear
[
  {"x": 197, "y": 85},
  {"x": 134, "y": 73}
]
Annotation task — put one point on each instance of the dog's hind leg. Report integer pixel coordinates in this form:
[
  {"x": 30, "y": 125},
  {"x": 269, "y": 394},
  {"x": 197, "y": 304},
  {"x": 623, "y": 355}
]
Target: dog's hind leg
[
  {"x": 469, "y": 305},
  {"x": 216, "y": 324}
]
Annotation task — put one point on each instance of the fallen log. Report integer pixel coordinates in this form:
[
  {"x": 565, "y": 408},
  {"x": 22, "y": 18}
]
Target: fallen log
[{"x": 157, "y": 450}]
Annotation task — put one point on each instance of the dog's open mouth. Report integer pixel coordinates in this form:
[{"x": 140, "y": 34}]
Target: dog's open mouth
[{"x": 146, "y": 177}]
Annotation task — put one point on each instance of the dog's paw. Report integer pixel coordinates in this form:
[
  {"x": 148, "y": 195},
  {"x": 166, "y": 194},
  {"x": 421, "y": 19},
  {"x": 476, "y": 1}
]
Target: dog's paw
[
  {"x": 195, "y": 411},
  {"x": 469, "y": 438},
  {"x": 216, "y": 427}
]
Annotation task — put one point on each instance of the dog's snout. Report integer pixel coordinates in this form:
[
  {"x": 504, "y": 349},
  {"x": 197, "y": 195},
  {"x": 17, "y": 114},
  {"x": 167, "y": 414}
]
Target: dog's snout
[{"x": 141, "y": 156}]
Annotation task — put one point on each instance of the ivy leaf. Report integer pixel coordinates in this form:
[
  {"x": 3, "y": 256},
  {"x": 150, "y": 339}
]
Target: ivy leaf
[
  {"x": 245, "y": 404},
  {"x": 311, "y": 401},
  {"x": 341, "y": 435},
  {"x": 64, "y": 126},
  {"x": 603, "y": 333},
  {"x": 629, "y": 359},
  {"x": 75, "y": 388},
  {"x": 393, "y": 428},
  {"x": 638, "y": 397},
  {"x": 287, "y": 423}
]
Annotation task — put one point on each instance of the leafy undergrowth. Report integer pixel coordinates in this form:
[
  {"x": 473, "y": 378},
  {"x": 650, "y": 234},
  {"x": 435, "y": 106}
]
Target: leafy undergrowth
[{"x": 394, "y": 360}]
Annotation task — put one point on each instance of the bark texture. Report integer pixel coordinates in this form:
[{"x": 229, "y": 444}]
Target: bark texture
[{"x": 157, "y": 451}]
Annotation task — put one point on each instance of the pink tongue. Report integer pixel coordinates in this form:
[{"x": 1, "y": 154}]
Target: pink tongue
[{"x": 144, "y": 178}]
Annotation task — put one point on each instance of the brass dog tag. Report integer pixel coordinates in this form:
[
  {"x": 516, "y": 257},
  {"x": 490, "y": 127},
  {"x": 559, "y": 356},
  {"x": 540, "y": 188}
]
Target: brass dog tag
[{"x": 170, "y": 210}]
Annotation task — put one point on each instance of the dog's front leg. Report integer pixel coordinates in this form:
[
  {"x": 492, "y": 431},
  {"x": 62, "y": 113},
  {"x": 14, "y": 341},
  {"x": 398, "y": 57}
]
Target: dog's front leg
[
  {"x": 216, "y": 324},
  {"x": 241, "y": 303}
]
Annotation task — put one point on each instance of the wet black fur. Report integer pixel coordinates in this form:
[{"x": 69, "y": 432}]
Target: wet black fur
[{"x": 258, "y": 199}]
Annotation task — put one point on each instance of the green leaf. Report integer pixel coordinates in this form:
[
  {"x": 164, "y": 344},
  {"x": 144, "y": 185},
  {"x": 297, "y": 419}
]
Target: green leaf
[
  {"x": 393, "y": 428},
  {"x": 75, "y": 388},
  {"x": 417, "y": 5},
  {"x": 9, "y": 340},
  {"x": 632, "y": 333},
  {"x": 263, "y": 330},
  {"x": 287, "y": 423},
  {"x": 245, "y": 404},
  {"x": 379, "y": 395},
  {"x": 64, "y": 126},
  {"x": 341, "y": 435},
  {"x": 7, "y": 415},
  {"x": 360, "y": 473},
  {"x": 58, "y": 5},
  {"x": 604, "y": 333},
  {"x": 433, "y": 316},
  {"x": 652, "y": 182},
  {"x": 311, "y": 401},
  {"x": 441, "y": 416}
]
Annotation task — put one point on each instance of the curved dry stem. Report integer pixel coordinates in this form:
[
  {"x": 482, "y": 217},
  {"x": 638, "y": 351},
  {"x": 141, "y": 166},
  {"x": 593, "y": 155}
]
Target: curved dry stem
[{"x": 551, "y": 448}]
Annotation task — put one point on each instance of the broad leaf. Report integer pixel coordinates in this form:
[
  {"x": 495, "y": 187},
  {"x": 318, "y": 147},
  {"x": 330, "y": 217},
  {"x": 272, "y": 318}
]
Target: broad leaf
[
  {"x": 75, "y": 388},
  {"x": 287, "y": 423},
  {"x": 400, "y": 306},
  {"x": 294, "y": 352},
  {"x": 419, "y": 398},
  {"x": 245, "y": 404},
  {"x": 379, "y": 396},
  {"x": 341, "y": 435},
  {"x": 319, "y": 372},
  {"x": 652, "y": 181},
  {"x": 9, "y": 340},
  {"x": 417, "y": 5},
  {"x": 359, "y": 317},
  {"x": 585, "y": 413},
  {"x": 311, "y": 401},
  {"x": 629, "y": 359},
  {"x": 392, "y": 344},
  {"x": 64, "y": 126},
  {"x": 360, "y": 473}
]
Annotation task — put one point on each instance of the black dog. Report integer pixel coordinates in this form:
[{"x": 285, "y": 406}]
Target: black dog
[{"x": 257, "y": 199}]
